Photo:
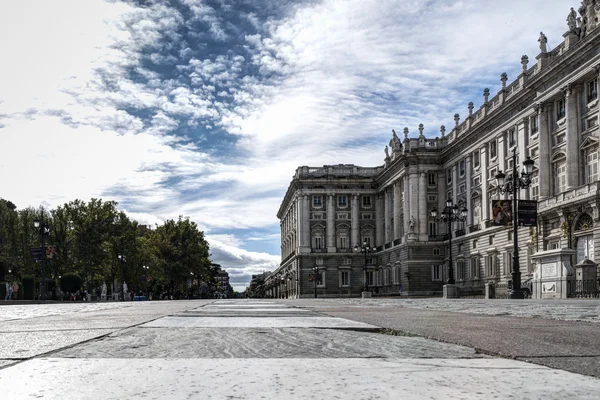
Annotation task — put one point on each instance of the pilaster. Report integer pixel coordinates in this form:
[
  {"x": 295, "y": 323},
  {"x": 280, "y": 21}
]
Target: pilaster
[
  {"x": 485, "y": 211},
  {"x": 397, "y": 205},
  {"x": 378, "y": 220},
  {"x": 355, "y": 221},
  {"x": 572, "y": 137},
  {"x": 469, "y": 177},
  {"x": 387, "y": 215},
  {"x": 423, "y": 236},
  {"x": 544, "y": 150},
  {"x": 331, "y": 248}
]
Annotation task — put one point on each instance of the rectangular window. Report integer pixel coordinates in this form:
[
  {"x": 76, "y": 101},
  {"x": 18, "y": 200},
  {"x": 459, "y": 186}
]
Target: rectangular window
[
  {"x": 433, "y": 229},
  {"x": 367, "y": 240},
  {"x": 370, "y": 278},
  {"x": 474, "y": 270},
  {"x": 431, "y": 179},
  {"x": 436, "y": 251},
  {"x": 366, "y": 200},
  {"x": 592, "y": 167},
  {"x": 475, "y": 243},
  {"x": 321, "y": 279},
  {"x": 370, "y": 261},
  {"x": 493, "y": 149},
  {"x": 342, "y": 201},
  {"x": 367, "y": 216},
  {"x": 560, "y": 182},
  {"x": 535, "y": 187},
  {"x": 490, "y": 266},
  {"x": 491, "y": 241},
  {"x": 462, "y": 188},
  {"x": 318, "y": 242},
  {"x": 346, "y": 261},
  {"x": 476, "y": 158},
  {"x": 560, "y": 109},
  {"x": 592, "y": 90},
  {"x": 343, "y": 242},
  {"x": 493, "y": 173},
  {"x": 461, "y": 168},
  {"x": 592, "y": 122},
  {"x": 319, "y": 261},
  {"x": 477, "y": 180},
  {"x": 436, "y": 272},
  {"x": 396, "y": 271},
  {"x": 533, "y": 123},
  {"x": 512, "y": 137},
  {"x": 449, "y": 175},
  {"x": 431, "y": 197},
  {"x": 344, "y": 278},
  {"x": 317, "y": 201}
]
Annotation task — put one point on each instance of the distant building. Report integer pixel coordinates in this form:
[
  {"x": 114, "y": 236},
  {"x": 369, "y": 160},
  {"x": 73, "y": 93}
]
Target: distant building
[{"x": 549, "y": 113}]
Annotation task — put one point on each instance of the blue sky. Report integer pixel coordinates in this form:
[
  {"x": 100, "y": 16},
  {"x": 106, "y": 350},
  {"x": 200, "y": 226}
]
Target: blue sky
[{"x": 204, "y": 108}]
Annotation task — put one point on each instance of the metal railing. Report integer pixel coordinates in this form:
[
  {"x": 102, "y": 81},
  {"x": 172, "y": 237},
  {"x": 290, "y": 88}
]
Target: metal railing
[{"x": 589, "y": 288}]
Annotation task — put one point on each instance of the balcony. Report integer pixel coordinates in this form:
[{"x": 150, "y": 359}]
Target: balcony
[
  {"x": 459, "y": 232},
  {"x": 397, "y": 242},
  {"x": 474, "y": 228},
  {"x": 437, "y": 238}
]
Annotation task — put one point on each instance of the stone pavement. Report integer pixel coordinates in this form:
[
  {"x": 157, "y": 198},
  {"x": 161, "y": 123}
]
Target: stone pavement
[{"x": 248, "y": 349}]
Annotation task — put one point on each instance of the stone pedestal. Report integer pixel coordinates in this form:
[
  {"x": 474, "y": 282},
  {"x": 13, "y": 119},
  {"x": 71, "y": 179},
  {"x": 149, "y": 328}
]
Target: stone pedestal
[
  {"x": 553, "y": 275},
  {"x": 450, "y": 291},
  {"x": 367, "y": 295}
]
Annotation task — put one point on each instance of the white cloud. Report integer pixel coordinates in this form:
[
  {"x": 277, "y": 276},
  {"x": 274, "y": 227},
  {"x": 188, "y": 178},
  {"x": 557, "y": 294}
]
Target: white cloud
[{"x": 333, "y": 79}]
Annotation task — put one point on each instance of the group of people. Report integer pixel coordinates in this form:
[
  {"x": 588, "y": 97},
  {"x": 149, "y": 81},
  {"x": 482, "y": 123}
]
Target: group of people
[{"x": 12, "y": 288}]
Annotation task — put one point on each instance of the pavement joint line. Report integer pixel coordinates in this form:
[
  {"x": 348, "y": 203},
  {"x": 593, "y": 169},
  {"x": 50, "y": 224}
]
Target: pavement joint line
[{"x": 97, "y": 338}]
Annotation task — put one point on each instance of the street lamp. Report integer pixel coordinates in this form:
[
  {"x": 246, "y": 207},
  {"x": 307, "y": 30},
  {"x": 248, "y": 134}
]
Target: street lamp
[
  {"x": 315, "y": 277},
  {"x": 366, "y": 249},
  {"x": 44, "y": 230},
  {"x": 122, "y": 260},
  {"x": 514, "y": 186},
  {"x": 146, "y": 268},
  {"x": 450, "y": 214}
]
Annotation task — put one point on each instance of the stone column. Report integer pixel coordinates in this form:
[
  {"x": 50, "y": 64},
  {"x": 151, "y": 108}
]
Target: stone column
[
  {"x": 355, "y": 223},
  {"x": 414, "y": 200},
  {"x": 406, "y": 203},
  {"x": 378, "y": 220},
  {"x": 572, "y": 137},
  {"x": 422, "y": 218},
  {"x": 387, "y": 215},
  {"x": 306, "y": 224},
  {"x": 485, "y": 210},
  {"x": 397, "y": 205},
  {"x": 544, "y": 171},
  {"x": 468, "y": 179},
  {"x": 441, "y": 182},
  {"x": 454, "y": 189},
  {"x": 330, "y": 223}
]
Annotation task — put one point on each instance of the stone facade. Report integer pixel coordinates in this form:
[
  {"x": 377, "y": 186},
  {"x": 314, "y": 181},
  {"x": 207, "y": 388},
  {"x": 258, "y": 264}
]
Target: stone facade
[{"x": 549, "y": 113}]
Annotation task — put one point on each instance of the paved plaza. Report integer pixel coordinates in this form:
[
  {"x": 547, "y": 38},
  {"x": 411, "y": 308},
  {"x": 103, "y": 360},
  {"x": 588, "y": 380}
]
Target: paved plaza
[{"x": 301, "y": 349}]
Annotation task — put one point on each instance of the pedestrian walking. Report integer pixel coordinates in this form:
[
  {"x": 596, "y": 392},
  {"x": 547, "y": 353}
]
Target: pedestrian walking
[{"x": 14, "y": 291}]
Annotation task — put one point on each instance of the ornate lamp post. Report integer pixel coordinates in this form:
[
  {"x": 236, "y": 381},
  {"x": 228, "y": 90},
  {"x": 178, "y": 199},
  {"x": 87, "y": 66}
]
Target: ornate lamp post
[
  {"x": 449, "y": 215},
  {"x": 366, "y": 249},
  {"x": 146, "y": 268},
  {"x": 122, "y": 261},
  {"x": 514, "y": 186},
  {"x": 44, "y": 230},
  {"x": 315, "y": 277}
]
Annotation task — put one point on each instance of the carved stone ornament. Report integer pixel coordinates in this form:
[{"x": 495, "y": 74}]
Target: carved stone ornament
[
  {"x": 456, "y": 119},
  {"x": 405, "y": 133},
  {"x": 470, "y": 107},
  {"x": 486, "y": 94},
  {"x": 524, "y": 62},
  {"x": 420, "y": 130},
  {"x": 443, "y": 130}
]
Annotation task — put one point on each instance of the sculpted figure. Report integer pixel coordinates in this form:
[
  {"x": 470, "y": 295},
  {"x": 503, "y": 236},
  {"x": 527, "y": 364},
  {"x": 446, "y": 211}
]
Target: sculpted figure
[
  {"x": 395, "y": 142},
  {"x": 543, "y": 42},
  {"x": 572, "y": 20},
  {"x": 387, "y": 154}
]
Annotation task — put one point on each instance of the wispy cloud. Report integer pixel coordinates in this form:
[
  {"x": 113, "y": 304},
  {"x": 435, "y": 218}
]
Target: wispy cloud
[{"x": 205, "y": 109}]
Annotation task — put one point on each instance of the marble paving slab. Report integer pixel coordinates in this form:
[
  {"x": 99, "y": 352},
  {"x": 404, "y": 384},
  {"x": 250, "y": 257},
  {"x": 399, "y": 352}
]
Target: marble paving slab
[
  {"x": 354, "y": 379},
  {"x": 239, "y": 305},
  {"x": 262, "y": 343},
  {"x": 248, "y": 310},
  {"x": 257, "y": 322},
  {"x": 19, "y": 345}
]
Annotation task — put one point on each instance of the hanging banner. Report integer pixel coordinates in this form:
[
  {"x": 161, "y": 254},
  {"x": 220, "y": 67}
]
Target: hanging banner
[
  {"x": 502, "y": 212},
  {"x": 527, "y": 213}
]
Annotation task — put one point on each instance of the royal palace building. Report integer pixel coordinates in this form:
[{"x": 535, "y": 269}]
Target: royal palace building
[{"x": 346, "y": 228}]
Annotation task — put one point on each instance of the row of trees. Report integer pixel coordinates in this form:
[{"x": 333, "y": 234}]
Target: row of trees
[{"x": 99, "y": 243}]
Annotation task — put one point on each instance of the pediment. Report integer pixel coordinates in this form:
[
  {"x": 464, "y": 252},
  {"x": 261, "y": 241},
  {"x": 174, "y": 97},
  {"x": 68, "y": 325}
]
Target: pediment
[{"x": 588, "y": 142}]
